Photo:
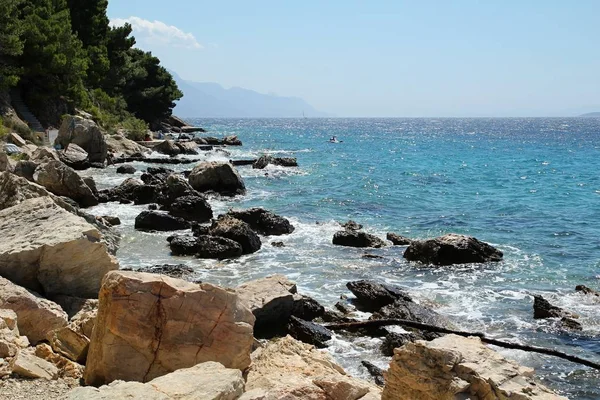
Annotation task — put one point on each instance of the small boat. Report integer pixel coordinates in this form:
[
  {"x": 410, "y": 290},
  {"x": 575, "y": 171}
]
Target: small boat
[{"x": 335, "y": 140}]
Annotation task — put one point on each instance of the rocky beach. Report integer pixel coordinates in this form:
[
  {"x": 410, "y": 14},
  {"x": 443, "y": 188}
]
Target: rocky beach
[{"x": 130, "y": 269}]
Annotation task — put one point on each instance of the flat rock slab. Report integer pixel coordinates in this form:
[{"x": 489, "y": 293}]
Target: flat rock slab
[
  {"x": 150, "y": 325},
  {"x": 205, "y": 381},
  {"x": 47, "y": 249}
]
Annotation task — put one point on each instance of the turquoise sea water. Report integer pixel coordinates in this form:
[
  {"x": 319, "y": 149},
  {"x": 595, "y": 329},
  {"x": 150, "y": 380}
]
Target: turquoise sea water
[{"x": 528, "y": 186}]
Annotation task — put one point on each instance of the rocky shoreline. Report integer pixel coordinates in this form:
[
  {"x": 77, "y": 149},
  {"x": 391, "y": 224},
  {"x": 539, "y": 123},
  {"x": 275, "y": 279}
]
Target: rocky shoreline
[{"x": 69, "y": 312}]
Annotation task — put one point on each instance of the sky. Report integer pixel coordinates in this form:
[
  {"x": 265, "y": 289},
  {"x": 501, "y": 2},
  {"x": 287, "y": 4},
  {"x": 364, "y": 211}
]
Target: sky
[{"x": 460, "y": 58}]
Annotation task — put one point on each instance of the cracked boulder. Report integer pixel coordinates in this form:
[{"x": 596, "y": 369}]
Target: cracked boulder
[
  {"x": 174, "y": 324},
  {"x": 62, "y": 180},
  {"x": 453, "y": 367},
  {"x": 52, "y": 251}
]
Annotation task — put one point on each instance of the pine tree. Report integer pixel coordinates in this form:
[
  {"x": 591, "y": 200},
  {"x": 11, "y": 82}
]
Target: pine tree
[{"x": 11, "y": 44}]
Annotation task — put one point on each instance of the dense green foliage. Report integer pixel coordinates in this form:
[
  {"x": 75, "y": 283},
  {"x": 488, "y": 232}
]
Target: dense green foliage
[{"x": 64, "y": 52}]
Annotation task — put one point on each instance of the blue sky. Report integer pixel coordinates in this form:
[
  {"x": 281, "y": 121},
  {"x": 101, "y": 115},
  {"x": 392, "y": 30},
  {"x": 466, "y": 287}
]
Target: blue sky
[{"x": 385, "y": 58}]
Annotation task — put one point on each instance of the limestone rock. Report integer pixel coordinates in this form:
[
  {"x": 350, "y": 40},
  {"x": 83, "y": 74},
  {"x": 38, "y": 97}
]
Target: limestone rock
[
  {"x": 15, "y": 189},
  {"x": 174, "y": 324},
  {"x": 10, "y": 339},
  {"x": 121, "y": 146},
  {"x": 64, "y": 181},
  {"x": 50, "y": 250},
  {"x": 205, "y": 381},
  {"x": 451, "y": 249},
  {"x": 30, "y": 366},
  {"x": 167, "y": 147},
  {"x": 44, "y": 154},
  {"x": 286, "y": 368},
  {"x": 217, "y": 177},
  {"x": 264, "y": 221},
  {"x": 237, "y": 230},
  {"x": 16, "y": 139},
  {"x": 36, "y": 316},
  {"x": 85, "y": 134},
  {"x": 66, "y": 368},
  {"x": 6, "y": 163},
  {"x": 75, "y": 157},
  {"x": 69, "y": 343},
  {"x": 25, "y": 169},
  {"x": 357, "y": 239},
  {"x": 83, "y": 322},
  {"x": 453, "y": 367},
  {"x": 271, "y": 300}
]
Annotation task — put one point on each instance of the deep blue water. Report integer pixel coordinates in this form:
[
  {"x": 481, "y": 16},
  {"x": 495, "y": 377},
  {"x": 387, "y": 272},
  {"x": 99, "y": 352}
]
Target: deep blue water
[{"x": 528, "y": 186}]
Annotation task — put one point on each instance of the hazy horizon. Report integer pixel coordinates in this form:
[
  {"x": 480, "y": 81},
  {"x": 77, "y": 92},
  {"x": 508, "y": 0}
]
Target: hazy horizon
[{"x": 390, "y": 59}]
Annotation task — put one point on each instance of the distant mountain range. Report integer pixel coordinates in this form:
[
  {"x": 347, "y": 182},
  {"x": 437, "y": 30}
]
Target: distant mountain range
[
  {"x": 207, "y": 99},
  {"x": 591, "y": 115}
]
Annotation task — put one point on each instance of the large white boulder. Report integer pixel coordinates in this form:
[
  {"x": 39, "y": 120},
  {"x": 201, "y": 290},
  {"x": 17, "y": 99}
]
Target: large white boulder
[
  {"x": 85, "y": 134},
  {"x": 454, "y": 367},
  {"x": 62, "y": 180},
  {"x": 217, "y": 177},
  {"x": 47, "y": 249},
  {"x": 149, "y": 325}
]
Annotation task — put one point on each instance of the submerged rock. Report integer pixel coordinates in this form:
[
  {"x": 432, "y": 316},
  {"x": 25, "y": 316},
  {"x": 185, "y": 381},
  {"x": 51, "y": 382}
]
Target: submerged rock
[
  {"x": 263, "y": 221},
  {"x": 453, "y": 367},
  {"x": 543, "y": 309},
  {"x": 586, "y": 290},
  {"x": 356, "y": 239},
  {"x": 375, "y": 372},
  {"x": 351, "y": 225},
  {"x": 126, "y": 169},
  {"x": 307, "y": 308},
  {"x": 263, "y": 161},
  {"x": 174, "y": 324},
  {"x": 452, "y": 249}
]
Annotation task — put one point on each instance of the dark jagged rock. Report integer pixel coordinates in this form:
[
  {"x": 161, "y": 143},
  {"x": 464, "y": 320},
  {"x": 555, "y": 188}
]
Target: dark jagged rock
[
  {"x": 586, "y": 290},
  {"x": 153, "y": 206},
  {"x": 394, "y": 340},
  {"x": 176, "y": 186},
  {"x": 199, "y": 230},
  {"x": 154, "y": 160},
  {"x": 263, "y": 221},
  {"x": 217, "y": 177},
  {"x": 180, "y": 271},
  {"x": 156, "y": 221},
  {"x": 263, "y": 161},
  {"x": 308, "y": 332},
  {"x": 335, "y": 317},
  {"x": 351, "y": 226},
  {"x": 375, "y": 372},
  {"x": 122, "y": 192},
  {"x": 239, "y": 163},
  {"x": 146, "y": 194},
  {"x": 277, "y": 244},
  {"x": 217, "y": 247},
  {"x": 398, "y": 240},
  {"x": 111, "y": 220},
  {"x": 409, "y": 310},
  {"x": 237, "y": 230},
  {"x": 156, "y": 175},
  {"x": 543, "y": 309},
  {"x": 91, "y": 183},
  {"x": 191, "y": 208},
  {"x": 372, "y": 256},
  {"x": 345, "y": 308},
  {"x": 126, "y": 169},
  {"x": 571, "y": 324},
  {"x": 356, "y": 239},
  {"x": 25, "y": 169},
  {"x": 307, "y": 308},
  {"x": 451, "y": 249},
  {"x": 372, "y": 296},
  {"x": 183, "y": 245}
]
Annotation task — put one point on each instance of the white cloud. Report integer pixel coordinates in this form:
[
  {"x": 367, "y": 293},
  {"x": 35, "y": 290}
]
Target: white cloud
[{"x": 157, "y": 32}]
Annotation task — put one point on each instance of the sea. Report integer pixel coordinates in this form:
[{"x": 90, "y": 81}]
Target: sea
[{"x": 529, "y": 186}]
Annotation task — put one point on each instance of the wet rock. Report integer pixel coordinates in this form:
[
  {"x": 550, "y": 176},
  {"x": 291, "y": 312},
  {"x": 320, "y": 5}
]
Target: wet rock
[
  {"x": 454, "y": 367},
  {"x": 174, "y": 324},
  {"x": 62, "y": 180},
  {"x": 7, "y": 163},
  {"x": 153, "y": 207},
  {"x": 191, "y": 208},
  {"x": 52, "y": 251},
  {"x": 177, "y": 186},
  {"x": 217, "y": 247},
  {"x": 146, "y": 194},
  {"x": 372, "y": 296},
  {"x": 236, "y": 230},
  {"x": 372, "y": 256},
  {"x": 85, "y": 134},
  {"x": 345, "y": 308},
  {"x": 352, "y": 225},
  {"x": 75, "y": 157},
  {"x": 263, "y": 161},
  {"x": 167, "y": 147},
  {"x": 277, "y": 244},
  {"x": 452, "y": 249},
  {"x": 409, "y": 310},
  {"x": 263, "y": 221},
  {"x": 205, "y": 381},
  {"x": 356, "y": 239},
  {"x": 156, "y": 221},
  {"x": 586, "y": 290},
  {"x": 375, "y": 372},
  {"x": 217, "y": 177},
  {"x": 271, "y": 300},
  {"x": 543, "y": 309},
  {"x": 113, "y": 221},
  {"x": 394, "y": 340},
  {"x": 179, "y": 271},
  {"x": 570, "y": 324},
  {"x": 199, "y": 230},
  {"x": 308, "y": 332},
  {"x": 307, "y": 308},
  {"x": 126, "y": 169},
  {"x": 398, "y": 240},
  {"x": 122, "y": 192},
  {"x": 239, "y": 163},
  {"x": 156, "y": 175},
  {"x": 183, "y": 245},
  {"x": 333, "y": 316},
  {"x": 232, "y": 141}
]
